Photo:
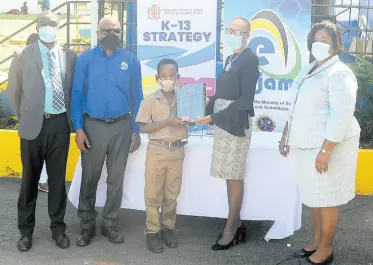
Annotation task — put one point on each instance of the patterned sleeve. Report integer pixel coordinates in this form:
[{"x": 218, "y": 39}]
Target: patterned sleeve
[{"x": 342, "y": 87}]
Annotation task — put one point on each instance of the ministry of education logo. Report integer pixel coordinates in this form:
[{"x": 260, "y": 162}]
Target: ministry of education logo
[
  {"x": 265, "y": 123},
  {"x": 154, "y": 12},
  {"x": 124, "y": 66}
]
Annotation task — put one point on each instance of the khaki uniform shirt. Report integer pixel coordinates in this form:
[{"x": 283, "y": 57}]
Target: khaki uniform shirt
[{"x": 156, "y": 108}]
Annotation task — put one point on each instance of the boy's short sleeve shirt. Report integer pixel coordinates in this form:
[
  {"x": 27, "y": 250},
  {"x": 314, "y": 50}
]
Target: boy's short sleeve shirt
[{"x": 155, "y": 108}]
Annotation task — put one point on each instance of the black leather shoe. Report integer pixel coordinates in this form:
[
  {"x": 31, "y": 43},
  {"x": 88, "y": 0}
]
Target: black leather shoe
[
  {"x": 85, "y": 237},
  {"x": 154, "y": 243},
  {"x": 24, "y": 243},
  {"x": 241, "y": 230},
  {"x": 301, "y": 254},
  {"x": 62, "y": 241},
  {"x": 218, "y": 247},
  {"x": 169, "y": 238},
  {"x": 112, "y": 234},
  {"x": 329, "y": 260}
]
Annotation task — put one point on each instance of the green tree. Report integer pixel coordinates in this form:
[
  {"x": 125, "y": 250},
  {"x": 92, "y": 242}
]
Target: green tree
[
  {"x": 7, "y": 121},
  {"x": 363, "y": 70},
  {"x": 3, "y": 117}
]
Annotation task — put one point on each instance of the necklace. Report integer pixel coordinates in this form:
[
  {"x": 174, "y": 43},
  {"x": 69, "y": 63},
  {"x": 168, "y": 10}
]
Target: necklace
[{"x": 229, "y": 65}]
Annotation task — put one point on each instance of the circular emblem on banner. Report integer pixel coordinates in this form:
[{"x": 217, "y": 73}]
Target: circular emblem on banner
[{"x": 265, "y": 123}]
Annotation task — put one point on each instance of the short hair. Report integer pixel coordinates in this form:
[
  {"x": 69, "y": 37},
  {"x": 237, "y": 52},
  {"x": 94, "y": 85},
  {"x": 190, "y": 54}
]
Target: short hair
[
  {"x": 48, "y": 14},
  {"x": 333, "y": 31},
  {"x": 167, "y": 61},
  {"x": 32, "y": 39},
  {"x": 247, "y": 22}
]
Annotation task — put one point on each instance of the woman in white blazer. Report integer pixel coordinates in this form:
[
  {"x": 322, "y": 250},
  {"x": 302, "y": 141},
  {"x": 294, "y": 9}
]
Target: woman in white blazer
[{"x": 322, "y": 136}]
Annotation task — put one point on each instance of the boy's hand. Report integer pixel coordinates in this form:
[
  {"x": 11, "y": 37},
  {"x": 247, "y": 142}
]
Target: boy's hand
[{"x": 175, "y": 121}]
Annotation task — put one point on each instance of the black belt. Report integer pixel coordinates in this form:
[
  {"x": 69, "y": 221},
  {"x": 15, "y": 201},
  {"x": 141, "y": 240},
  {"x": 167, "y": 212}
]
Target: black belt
[
  {"x": 53, "y": 116},
  {"x": 110, "y": 120},
  {"x": 178, "y": 143}
]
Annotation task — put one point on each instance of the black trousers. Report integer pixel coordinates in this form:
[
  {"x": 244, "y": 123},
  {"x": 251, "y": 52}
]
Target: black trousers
[{"x": 51, "y": 146}]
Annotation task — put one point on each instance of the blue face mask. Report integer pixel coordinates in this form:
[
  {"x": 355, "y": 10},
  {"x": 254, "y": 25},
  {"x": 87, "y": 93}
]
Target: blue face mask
[
  {"x": 48, "y": 34},
  {"x": 234, "y": 42}
]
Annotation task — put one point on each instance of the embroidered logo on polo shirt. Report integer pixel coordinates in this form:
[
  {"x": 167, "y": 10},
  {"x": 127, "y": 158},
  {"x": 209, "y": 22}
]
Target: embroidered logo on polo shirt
[{"x": 124, "y": 66}]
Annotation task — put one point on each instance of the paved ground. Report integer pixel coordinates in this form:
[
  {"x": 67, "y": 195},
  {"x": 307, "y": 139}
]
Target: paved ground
[{"x": 353, "y": 247}]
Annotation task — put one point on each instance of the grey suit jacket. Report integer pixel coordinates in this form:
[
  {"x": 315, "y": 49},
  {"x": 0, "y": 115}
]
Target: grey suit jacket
[{"x": 26, "y": 87}]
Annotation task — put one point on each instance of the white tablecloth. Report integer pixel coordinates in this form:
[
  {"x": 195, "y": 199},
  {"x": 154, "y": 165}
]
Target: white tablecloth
[{"x": 270, "y": 185}]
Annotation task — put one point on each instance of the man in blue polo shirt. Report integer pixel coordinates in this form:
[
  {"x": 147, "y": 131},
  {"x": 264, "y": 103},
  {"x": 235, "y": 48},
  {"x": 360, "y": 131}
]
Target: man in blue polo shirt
[{"x": 106, "y": 97}]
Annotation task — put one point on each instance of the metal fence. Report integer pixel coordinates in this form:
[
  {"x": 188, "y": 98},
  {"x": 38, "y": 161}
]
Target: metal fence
[{"x": 353, "y": 18}]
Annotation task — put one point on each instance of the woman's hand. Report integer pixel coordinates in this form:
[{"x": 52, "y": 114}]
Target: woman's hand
[
  {"x": 322, "y": 162},
  {"x": 204, "y": 121},
  {"x": 283, "y": 148}
]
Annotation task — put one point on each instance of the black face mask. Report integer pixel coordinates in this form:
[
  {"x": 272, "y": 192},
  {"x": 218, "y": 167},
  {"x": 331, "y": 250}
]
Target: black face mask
[{"x": 110, "y": 42}]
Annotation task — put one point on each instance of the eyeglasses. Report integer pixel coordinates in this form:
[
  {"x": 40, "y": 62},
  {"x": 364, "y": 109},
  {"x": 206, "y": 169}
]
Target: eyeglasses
[
  {"x": 115, "y": 31},
  {"x": 230, "y": 31}
]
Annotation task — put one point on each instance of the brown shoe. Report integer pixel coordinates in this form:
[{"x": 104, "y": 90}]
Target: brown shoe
[{"x": 43, "y": 187}]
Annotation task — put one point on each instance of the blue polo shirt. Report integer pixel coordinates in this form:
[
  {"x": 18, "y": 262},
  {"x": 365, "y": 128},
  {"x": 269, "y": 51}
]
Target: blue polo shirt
[{"x": 106, "y": 87}]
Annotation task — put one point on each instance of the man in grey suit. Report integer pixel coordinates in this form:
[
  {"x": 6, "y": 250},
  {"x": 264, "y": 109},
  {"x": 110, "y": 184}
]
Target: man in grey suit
[{"x": 39, "y": 91}]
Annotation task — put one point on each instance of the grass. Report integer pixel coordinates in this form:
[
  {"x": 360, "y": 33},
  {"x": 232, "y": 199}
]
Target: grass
[
  {"x": 23, "y": 17},
  {"x": 18, "y": 17}
]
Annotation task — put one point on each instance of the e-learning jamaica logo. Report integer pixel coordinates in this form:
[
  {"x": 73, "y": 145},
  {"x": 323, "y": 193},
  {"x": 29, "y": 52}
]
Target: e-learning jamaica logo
[{"x": 281, "y": 41}]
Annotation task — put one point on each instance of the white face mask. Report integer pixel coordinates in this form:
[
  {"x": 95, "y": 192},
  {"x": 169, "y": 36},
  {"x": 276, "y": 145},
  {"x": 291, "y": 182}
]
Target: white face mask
[
  {"x": 320, "y": 51},
  {"x": 48, "y": 34},
  {"x": 234, "y": 42},
  {"x": 167, "y": 85}
]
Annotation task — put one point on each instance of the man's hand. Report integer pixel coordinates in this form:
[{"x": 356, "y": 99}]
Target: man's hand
[
  {"x": 135, "y": 142},
  {"x": 81, "y": 141},
  {"x": 175, "y": 121}
]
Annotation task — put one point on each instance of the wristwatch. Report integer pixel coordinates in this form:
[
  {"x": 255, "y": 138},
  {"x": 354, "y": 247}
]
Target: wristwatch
[{"x": 325, "y": 152}]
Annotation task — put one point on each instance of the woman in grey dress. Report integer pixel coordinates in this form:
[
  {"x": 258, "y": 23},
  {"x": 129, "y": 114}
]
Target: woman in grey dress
[
  {"x": 231, "y": 110},
  {"x": 323, "y": 138}
]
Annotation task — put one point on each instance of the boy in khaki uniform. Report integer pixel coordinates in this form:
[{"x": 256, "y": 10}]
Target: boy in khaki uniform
[{"x": 165, "y": 156}]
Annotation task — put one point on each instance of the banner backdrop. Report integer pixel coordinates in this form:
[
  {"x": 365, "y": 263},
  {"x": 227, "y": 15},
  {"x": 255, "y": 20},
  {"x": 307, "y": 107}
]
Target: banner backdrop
[
  {"x": 279, "y": 30},
  {"x": 181, "y": 30}
]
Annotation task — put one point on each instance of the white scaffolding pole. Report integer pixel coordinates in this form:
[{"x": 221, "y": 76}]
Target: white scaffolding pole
[{"x": 94, "y": 22}]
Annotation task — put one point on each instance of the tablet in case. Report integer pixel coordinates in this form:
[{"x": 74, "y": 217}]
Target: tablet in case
[{"x": 191, "y": 101}]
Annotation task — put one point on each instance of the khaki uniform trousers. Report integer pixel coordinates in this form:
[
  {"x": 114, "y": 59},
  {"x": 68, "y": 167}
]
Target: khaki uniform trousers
[{"x": 163, "y": 178}]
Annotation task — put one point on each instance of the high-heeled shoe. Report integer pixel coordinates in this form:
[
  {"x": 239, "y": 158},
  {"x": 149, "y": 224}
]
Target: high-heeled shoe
[
  {"x": 329, "y": 260},
  {"x": 242, "y": 233},
  {"x": 234, "y": 241},
  {"x": 304, "y": 253},
  {"x": 241, "y": 230}
]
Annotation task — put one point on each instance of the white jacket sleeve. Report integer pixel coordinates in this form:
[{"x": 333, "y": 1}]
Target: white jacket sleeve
[{"x": 342, "y": 87}]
